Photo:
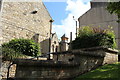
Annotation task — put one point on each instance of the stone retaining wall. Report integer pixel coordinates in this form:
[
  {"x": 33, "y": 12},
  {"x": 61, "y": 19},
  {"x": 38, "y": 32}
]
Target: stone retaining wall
[
  {"x": 108, "y": 55},
  {"x": 4, "y": 69},
  {"x": 66, "y": 65}
]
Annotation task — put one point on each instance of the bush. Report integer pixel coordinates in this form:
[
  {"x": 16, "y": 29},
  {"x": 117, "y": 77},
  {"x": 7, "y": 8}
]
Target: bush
[
  {"x": 10, "y": 54},
  {"x": 25, "y": 46},
  {"x": 92, "y": 37},
  {"x": 85, "y": 31}
]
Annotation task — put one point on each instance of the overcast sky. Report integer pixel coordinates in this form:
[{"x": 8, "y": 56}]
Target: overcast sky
[{"x": 62, "y": 13}]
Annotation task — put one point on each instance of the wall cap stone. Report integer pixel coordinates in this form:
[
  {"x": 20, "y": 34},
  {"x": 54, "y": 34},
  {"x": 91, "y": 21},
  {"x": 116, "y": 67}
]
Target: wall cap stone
[
  {"x": 102, "y": 48},
  {"x": 47, "y": 63},
  {"x": 99, "y": 48}
]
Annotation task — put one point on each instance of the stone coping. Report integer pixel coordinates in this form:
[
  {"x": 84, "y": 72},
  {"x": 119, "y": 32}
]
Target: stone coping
[
  {"x": 86, "y": 53},
  {"x": 40, "y": 63},
  {"x": 63, "y": 52},
  {"x": 100, "y": 48},
  {"x": 85, "y": 50}
]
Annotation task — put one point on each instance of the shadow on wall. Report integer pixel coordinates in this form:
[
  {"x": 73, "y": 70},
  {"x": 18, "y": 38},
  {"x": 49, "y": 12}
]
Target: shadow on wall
[
  {"x": 35, "y": 38},
  {"x": 55, "y": 69},
  {"x": 65, "y": 65},
  {"x": 44, "y": 46},
  {"x": 119, "y": 56}
]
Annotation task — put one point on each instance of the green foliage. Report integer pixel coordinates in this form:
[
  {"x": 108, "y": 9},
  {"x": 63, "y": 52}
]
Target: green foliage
[
  {"x": 106, "y": 72},
  {"x": 25, "y": 46},
  {"x": 85, "y": 31},
  {"x": 10, "y": 54},
  {"x": 92, "y": 37},
  {"x": 114, "y": 7}
]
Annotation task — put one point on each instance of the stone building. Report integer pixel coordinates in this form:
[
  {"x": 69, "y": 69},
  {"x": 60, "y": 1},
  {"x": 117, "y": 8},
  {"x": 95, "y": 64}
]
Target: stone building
[
  {"x": 54, "y": 43},
  {"x": 99, "y": 16},
  {"x": 26, "y": 20},
  {"x": 64, "y": 43},
  {"x": 0, "y": 26},
  {"x": 59, "y": 45}
]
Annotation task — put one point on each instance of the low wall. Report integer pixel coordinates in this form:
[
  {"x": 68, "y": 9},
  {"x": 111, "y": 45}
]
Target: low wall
[
  {"x": 64, "y": 65},
  {"x": 42, "y": 70},
  {"x": 106, "y": 55},
  {"x": 4, "y": 65},
  {"x": 4, "y": 69}
]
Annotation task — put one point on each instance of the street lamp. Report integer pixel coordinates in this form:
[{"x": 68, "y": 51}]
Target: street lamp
[{"x": 76, "y": 25}]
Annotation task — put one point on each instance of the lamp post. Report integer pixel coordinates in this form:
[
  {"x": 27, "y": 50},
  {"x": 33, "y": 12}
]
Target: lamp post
[
  {"x": 76, "y": 25},
  {"x": 70, "y": 47}
]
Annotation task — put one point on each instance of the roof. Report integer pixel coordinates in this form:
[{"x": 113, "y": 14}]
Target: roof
[
  {"x": 47, "y": 11},
  {"x": 53, "y": 34},
  {"x": 64, "y": 36}
]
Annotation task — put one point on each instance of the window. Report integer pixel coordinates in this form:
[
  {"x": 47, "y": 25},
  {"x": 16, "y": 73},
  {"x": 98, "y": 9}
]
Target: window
[{"x": 34, "y": 12}]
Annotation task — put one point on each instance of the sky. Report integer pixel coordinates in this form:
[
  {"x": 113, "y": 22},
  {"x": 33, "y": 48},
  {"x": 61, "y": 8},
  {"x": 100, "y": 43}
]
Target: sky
[{"x": 62, "y": 13}]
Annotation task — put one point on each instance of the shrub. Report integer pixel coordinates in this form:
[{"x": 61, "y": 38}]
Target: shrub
[
  {"x": 25, "y": 46},
  {"x": 85, "y": 31},
  {"x": 10, "y": 54},
  {"x": 92, "y": 37}
]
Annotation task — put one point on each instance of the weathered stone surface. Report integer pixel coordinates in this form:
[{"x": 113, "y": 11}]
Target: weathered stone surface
[
  {"x": 20, "y": 21},
  {"x": 67, "y": 65},
  {"x": 4, "y": 69},
  {"x": 54, "y": 43}
]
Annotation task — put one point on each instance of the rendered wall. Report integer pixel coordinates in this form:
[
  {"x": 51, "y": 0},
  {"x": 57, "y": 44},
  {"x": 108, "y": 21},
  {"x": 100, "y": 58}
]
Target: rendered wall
[{"x": 99, "y": 16}]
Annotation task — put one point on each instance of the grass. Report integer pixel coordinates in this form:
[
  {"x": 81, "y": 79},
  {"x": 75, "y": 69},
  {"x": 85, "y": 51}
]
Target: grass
[{"x": 106, "y": 72}]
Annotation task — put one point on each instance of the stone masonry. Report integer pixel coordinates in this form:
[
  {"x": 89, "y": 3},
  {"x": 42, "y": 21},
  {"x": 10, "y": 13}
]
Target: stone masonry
[
  {"x": 65, "y": 65},
  {"x": 26, "y": 20},
  {"x": 54, "y": 43},
  {"x": 4, "y": 69}
]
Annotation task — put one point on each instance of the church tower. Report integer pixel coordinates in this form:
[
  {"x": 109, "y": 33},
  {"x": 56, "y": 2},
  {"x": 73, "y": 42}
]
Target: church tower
[{"x": 64, "y": 43}]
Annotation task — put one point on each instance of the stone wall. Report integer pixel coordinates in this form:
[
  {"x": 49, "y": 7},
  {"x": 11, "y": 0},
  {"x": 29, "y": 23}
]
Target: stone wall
[
  {"x": 0, "y": 24},
  {"x": 4, "y": 69},
  {"x": 108, "y": 55},
  {"x": 65, "y": 65},
  {"x": 54, "y": 43},
  {"x": 26, "y": 20},
  {"x": 52, "y": 70}
]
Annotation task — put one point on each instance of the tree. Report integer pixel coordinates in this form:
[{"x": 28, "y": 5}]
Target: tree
[
  {"x": 25, "y": 46},
  {"x": 114, "y": 7}
]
